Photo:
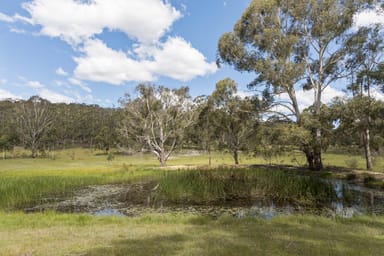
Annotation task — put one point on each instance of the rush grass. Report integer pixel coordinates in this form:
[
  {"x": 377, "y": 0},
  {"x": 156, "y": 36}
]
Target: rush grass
[{"x": 233, "y": 184}]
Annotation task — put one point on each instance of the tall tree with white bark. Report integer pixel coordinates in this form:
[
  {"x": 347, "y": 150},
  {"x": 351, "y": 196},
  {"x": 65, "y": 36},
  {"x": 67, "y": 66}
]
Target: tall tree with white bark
[
  {"x": 35, "y": 118},
  {"x": 157, "y": 118}
]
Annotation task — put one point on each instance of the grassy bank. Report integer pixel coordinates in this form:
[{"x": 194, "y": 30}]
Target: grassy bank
[{"x": 52, "y": 234}]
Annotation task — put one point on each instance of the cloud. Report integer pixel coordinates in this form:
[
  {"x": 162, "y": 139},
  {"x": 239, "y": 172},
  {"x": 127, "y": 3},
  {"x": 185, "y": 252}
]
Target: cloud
[
  {"x": 79, "y": 83},
  {"x": 6, "y": 18},
  {"x": 34, "y": 84},
  {"x": 7, "y": 95},
  {"x": 103, "y": 64},
  {"x": 18, "y": 31},
  {"x": 377, "y": 94},
  {"x": 54, "y": 97},
  {"x": 305, "y": 98},
  {"x": 3, "y": 81},
  {"x": 175, "y": 58},
  {"x": 75, "y": 21},
  {"x": 369, "y": 17},
  {"x": 245, "y": 94},
  {"x": 146, "y": 22},
  {"x": 61, "y": 72},
  {"x": 15, "y": 18}
]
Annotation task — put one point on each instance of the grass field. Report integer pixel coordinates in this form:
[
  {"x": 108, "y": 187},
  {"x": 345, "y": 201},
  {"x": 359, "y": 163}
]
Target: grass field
[
  {"x": 24, "y": 180},
  {"x": 52, "y": 234}
]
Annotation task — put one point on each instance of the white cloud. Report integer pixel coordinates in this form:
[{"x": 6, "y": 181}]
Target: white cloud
[
  {"x": 78, "y": 22},
  {"x": 54, "y": 97},
  {"x": 103, "y": 64},
  {"x": 75, "y": 21},
  {"x": 18, "y": 31},
  {"x": 6, "y": 18},
  {"x": 244, "y": 94},
  {"x": 7, "y": 95},
  {"x": 369, "y": 17},
  {"x": 61, "y": 72},
  {"x": 378, "y": 95},
  {"x": 175, "y": 58},
  {"x": 15, "y": 18},
  {"x": 3, "y": 81},
  {"x": 34, "y": 84},
  {"x": 79, "y": 83},
  {"x": 305, "y": 98}
]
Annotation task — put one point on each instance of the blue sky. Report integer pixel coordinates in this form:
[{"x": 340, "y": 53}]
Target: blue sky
[
  {"x": 74, "y": 51},
  {"x": 95, "y": 51}
]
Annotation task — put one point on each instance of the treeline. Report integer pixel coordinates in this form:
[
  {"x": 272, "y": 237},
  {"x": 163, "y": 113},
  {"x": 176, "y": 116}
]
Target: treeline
[
  {"x": 161, "y": 120},
  {"x": 42, "y": 126}
]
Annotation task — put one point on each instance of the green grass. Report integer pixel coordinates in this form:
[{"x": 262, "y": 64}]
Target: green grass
[
  {"x": 24, "y": 180},
  {"x": 52, "y": 234},
  {"x": 223, "y": 184}
]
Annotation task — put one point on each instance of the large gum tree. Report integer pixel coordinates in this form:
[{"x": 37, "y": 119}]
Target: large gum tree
[
  {"x": 157, "y": 118},
  {"x": 292, "y": 45}
]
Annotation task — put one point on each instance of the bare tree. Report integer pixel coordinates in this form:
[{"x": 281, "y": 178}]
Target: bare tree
[
  {"x": 157, "y": 118},
  {"x": 35, "y": 118}
]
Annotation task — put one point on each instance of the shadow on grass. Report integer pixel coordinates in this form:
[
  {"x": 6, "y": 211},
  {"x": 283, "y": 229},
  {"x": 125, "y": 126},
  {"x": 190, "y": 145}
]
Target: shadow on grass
[
  {"x": 286, "y": 236},
  {"x": 157, "y": 245}
]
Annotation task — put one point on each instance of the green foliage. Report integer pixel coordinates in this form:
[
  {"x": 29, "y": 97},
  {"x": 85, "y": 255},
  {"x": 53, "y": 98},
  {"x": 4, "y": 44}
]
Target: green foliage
[
  {"x": 235, "y": 120},
  {"x": 352, "y": 163},
  {"x": 291, "y": 45},
  {"x": 110, "y": 156}
]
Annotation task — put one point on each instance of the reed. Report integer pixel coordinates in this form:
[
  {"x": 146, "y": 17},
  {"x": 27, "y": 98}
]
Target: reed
[{"x": 226, "y": 184}]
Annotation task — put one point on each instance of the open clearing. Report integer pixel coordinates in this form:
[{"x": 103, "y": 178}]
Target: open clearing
[{"x": 170, "y": 233}]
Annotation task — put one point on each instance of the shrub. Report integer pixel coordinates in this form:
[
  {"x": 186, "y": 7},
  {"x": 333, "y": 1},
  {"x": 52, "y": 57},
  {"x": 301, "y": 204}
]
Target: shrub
[{"x": 351, "y": 163}]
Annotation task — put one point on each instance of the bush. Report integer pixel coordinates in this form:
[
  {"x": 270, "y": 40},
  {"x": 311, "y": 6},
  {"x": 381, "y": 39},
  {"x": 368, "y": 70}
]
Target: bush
[
  {"x": 351, "y": 163},
  {"x": 351, "y": 176},
  {"x": 110, "y": 156}
]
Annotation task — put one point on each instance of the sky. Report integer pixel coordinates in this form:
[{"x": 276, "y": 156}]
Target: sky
[{"x": 95, "y": 51}]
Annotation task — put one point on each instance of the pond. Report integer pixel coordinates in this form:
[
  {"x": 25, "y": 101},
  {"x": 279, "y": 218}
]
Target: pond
[{"x": 217, "y": 193}]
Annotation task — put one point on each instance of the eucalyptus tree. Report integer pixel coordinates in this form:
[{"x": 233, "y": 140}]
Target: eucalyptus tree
[
  {"x": 35, "y": 118},
  {"x": 203, "y": 132},
  {"x": 8, "y": 126},
  {"x": 292, "y": 45},
  {"x": 356, "y": 116},
  {"x": 235, "y": 118},
  {"x": 366, "y": 59},
  {"x": 157, "y": 118}
]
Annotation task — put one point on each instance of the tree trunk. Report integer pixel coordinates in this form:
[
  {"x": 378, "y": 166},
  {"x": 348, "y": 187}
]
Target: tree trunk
[
  {"x": 367, "y": 149},
  {"x": 209, "y": 157},
  {"x": 236, "y": 156},
  {"x": 33, "y": 150},
  {"x": 314, "y": 160},
  {"x": 163, "y": 161},
  {"x": 310, "y": 157},
  {"x": 317, "y": 161}
]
